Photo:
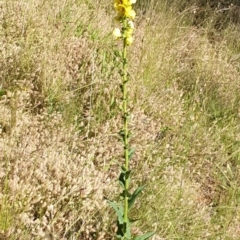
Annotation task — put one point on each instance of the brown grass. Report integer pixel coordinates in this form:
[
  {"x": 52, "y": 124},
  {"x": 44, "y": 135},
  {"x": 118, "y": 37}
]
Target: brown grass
[{"x": 59, "y": 119}]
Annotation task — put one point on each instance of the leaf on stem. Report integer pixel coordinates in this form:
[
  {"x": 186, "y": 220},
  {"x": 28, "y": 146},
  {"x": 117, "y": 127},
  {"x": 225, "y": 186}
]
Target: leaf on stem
[
  {"x": 127, "y": 175},
  {"x": 121, "y": 134},
  {"x": 121, "y": 87},
  {"x": 131, "y": 152},
  {"x": 124, "y": 175},
  {"x": 134, "y": 196},
  {"x": 121, "y": 180},
  {"x": 129, "y": 136},
  {"x": 118, "y": 210},
  {"x": 128, "y": 231}
]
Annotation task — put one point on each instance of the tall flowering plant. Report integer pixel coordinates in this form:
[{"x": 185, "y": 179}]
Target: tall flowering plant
[{"x": 125, "y": 16}]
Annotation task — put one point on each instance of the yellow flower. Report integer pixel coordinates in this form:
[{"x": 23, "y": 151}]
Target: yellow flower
[
  {"x": 127, "y": 2},
  {"x": 124, "y": 10},
  {"x": 129, "y": 40},
  {"x": 120, "y": 9},
  {"x": 129, "y": 32},
  {"x": 130, "y": 13},
  {"x": 117, "y": 33}
]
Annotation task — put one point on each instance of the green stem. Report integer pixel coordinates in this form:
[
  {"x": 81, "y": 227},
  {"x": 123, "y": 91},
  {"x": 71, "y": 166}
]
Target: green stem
[{"x": 125, "y": 128}]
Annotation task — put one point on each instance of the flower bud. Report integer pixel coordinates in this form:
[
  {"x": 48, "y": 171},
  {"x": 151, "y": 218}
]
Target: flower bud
[
  {"x": 130, "y": 24},
  {"x": 117, "y": 33}
]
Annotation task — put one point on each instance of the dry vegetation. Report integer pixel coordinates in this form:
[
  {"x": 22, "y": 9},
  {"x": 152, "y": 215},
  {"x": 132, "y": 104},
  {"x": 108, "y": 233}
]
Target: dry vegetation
[{"x": 59, "y": 95}]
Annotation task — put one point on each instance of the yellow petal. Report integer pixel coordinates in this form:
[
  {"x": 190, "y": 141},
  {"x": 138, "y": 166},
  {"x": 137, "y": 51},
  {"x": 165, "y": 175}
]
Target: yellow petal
[
  {"x": 129, "y": 40},
  {"x": 131, "y": 14},
  {"x": 129, "y": 32}
]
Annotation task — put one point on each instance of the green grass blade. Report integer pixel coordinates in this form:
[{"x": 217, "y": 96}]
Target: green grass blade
[{"x": 145, "y": 236}]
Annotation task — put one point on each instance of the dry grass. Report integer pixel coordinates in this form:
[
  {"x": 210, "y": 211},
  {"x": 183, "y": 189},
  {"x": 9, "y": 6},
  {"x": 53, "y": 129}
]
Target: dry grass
[{"x": 59, "y": 122}]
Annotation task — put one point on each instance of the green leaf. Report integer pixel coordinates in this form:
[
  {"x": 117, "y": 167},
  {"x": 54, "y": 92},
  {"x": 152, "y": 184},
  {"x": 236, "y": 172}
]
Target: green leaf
[
  {"x": 120, "y": 233},
  {"x": 118, "y": 210},
  {"x": 145, "y": 236},
  {"x": 123, "y": 169},
  {"x": 119, "y": 237},
  {"x": 129, "y": 134},
  {"x": 121, "y": 180},
  {"x": 121, "y": 210},
  {"x": 131, "y": 152},
  {"x": 134, "y": 196},
  {"x": 127, "y": 175},
  {"x": 121, "y": 133},
  {"x": 126, "y": 114},
  {"x": 121, "y": 136},
  {"x": 124, "y": 175},
  {"x": 128, "y": 231},
  {"x": 121, "y": 86}
]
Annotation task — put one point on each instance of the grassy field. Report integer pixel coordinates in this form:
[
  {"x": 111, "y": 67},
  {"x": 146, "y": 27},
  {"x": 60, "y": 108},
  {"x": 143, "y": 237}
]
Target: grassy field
[{"x": 59, "y": 119}]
